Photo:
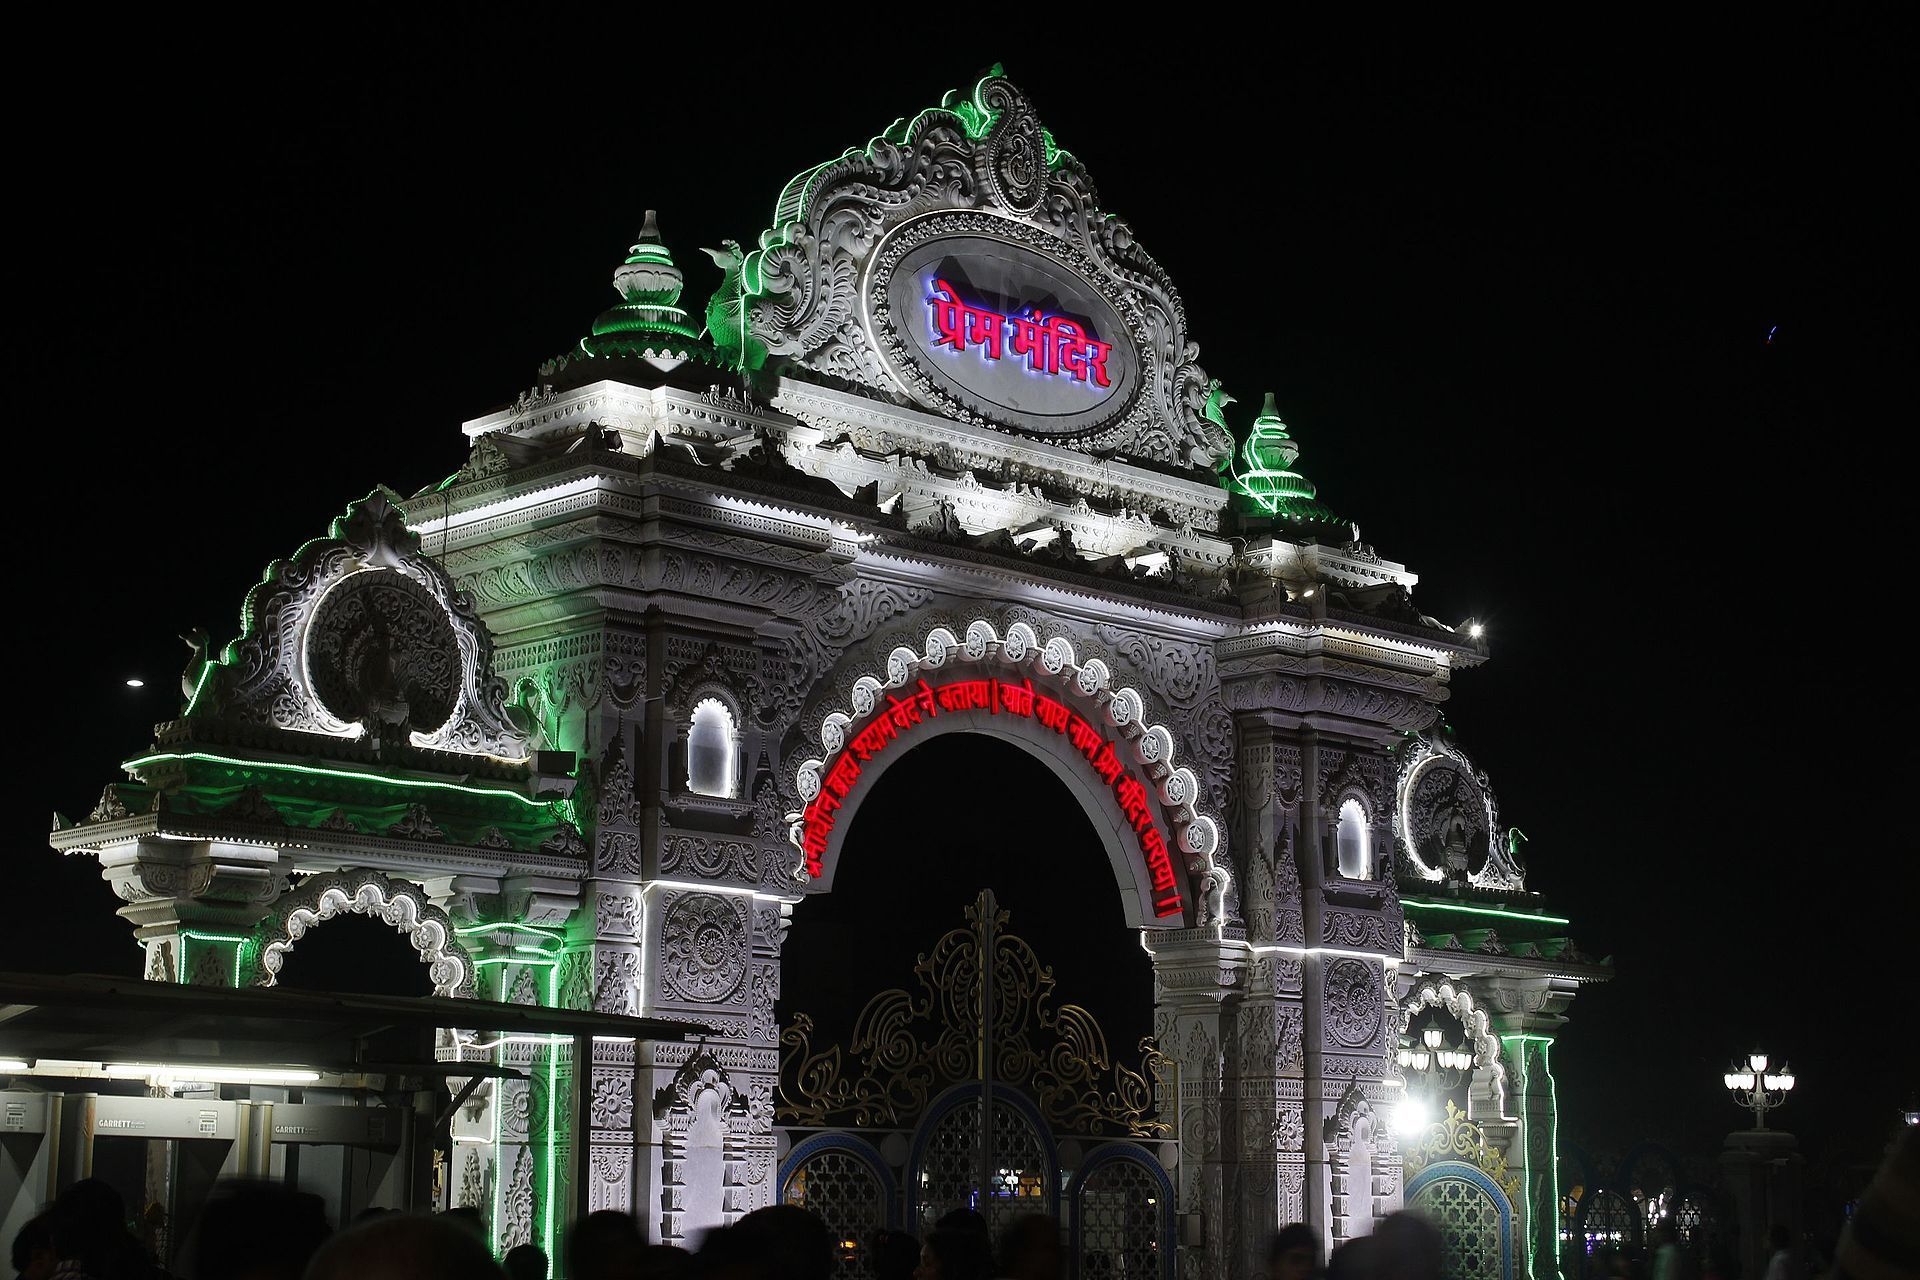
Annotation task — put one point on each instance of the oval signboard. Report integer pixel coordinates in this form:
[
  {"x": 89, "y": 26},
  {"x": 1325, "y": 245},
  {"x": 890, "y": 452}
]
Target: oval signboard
[{"x": 1012, "y": 334}]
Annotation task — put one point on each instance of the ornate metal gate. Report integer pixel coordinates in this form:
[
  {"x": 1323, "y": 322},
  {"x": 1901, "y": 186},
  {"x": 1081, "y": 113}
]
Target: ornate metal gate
[
  {"x": 984, "y": 1078},
  {"x": 1463, "y": 1185}
]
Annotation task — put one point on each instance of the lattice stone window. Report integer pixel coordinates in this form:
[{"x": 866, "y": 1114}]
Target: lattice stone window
[
  {"x": 841, "y": 1188},
  {"x": 1355, "y": 857},
  {"x": 711, "y": 748},
  {"x": 1469, "y": 1223}
]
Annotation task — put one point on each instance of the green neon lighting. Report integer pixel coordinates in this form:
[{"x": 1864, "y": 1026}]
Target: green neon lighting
[
  {"x": 235, "y": 939},
  {"x": 553, "y": 1087},
  {"x": 1483, "y": 911},
  {"x": 1526, "y": 1159},
  {"x": 1258, "y": 471},
  {"x": 1526, "y": 1151},
  {"x": 481, "y": 964},
  {"x": 1553, "y": 1102},
  {"x": 277, "y": 767},
  {"x": 522, "y": 946},
  {"x": 206, "y": 669},
  {"x": 499, "y": 1156}
]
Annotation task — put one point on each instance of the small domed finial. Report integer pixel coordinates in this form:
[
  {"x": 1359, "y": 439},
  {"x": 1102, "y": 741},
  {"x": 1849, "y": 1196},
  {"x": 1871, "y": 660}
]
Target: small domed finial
[
  {"x": 1261, "y": 477},
  {"x": 650, "y": 230}
]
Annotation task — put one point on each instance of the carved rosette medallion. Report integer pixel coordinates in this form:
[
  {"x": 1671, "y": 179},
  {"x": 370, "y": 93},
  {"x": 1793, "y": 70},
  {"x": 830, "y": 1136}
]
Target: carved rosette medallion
[
  {"x": 703, "y": 944},
  {"x": 1353, "y": 1004}
]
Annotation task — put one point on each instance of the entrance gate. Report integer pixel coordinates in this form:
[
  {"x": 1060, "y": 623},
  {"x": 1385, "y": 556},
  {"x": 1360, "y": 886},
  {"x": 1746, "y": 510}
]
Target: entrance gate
[
  {"x": 1462, "y": 1184},
  {"x": 976, "y": 1091}
]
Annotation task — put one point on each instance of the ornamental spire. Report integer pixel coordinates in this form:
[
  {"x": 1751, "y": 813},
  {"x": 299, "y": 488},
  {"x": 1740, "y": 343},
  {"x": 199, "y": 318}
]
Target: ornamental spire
[
  {"x": 649, "y": 285},
  {"x": 1259, "y": 474}
]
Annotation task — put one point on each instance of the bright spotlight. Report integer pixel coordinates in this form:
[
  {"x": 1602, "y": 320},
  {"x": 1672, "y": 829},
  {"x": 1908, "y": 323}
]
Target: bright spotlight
[
  {"x": 136, "y": 683},
  {"x": 1475, "y": 630},
  {"x": 1410, "y": 1117}
]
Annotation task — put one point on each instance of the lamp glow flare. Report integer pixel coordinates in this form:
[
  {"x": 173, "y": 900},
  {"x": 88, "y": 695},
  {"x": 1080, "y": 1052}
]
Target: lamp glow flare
[{"x": 1758, "y": 1089}]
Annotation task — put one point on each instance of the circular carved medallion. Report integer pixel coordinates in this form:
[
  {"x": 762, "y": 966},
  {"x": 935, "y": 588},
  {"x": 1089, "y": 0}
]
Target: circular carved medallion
[
  {"x": 1447, "y": 819},
  {"x": 1353, "y": 1003},
  {"x": 381, "y": 649},
  {"x": 703, "y": 943}
]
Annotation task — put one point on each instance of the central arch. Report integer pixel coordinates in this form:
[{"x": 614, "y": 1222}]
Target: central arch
[{"x": 1067, "y": 714}]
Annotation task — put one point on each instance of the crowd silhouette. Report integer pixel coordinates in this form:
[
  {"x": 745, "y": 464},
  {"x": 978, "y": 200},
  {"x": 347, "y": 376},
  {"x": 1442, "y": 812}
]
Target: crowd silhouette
[{"x": 266, "y": 1231}]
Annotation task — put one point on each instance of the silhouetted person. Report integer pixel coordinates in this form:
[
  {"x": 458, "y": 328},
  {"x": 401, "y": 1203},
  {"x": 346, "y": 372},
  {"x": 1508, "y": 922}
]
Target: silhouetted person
[
  {"x": 90, "y": 1236},
  {"x": 895, "y": 1255},
  {"x": 666, "y": 1262},
  {"x": 404, "y": 1246},
  {"x": 1882, "y": 1238},
  {"x": 258, "y": 1231},
  {"x": 1030, "y": 1248},
  {"x": 1361, "y": 1258},
  {"x": 954, "y": 1253},
  {"x": 795, "y": 1241},
  {"x": 1780, "y": 1263},
  {"x": 964, "y": 1220},
  {"x": 1293, "y": 1253},
  {"x": 33, "y": 1249},
  {"x": 525, "y": 1262},
  {"x": 605, "y": 1245},
  {"x": 468, "y": 1218},
  {"x": 1412, "y": 1246}
]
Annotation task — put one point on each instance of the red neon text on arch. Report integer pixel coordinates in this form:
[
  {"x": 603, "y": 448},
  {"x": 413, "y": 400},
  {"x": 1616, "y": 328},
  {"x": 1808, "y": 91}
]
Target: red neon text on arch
[{"x": 995, "y": 697}]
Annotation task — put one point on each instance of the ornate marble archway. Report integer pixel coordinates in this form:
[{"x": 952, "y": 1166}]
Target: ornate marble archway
[
  {"x": 402, "y": 905},
  {"x": 1131, "y": 783}
]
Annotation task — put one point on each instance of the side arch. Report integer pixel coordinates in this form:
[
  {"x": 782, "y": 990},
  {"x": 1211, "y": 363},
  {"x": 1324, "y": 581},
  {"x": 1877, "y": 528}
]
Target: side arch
[
  {"x": 398, "y": 903},
  {"x": 857, "y": 1152},
  {"x": 1457, "y": 999}
]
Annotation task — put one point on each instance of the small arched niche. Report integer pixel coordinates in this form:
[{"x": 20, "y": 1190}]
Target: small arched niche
[
  {"x": 1351, "y": 842},
  {"x": 712, "y": 748}
]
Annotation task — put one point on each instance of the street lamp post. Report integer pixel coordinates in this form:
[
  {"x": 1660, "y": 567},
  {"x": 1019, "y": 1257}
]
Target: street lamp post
[{"x": 1757, "y": 1089}]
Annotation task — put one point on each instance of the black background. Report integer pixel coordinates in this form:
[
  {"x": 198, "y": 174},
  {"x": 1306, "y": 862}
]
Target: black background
[{"x": 1512, "y": 289}]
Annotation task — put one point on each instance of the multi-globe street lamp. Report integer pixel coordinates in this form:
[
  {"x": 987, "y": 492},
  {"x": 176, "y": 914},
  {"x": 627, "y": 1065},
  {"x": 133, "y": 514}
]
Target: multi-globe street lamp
[
  {"x": 1757, "y": 1089},
  {"x": 1438, "y": 1067}
]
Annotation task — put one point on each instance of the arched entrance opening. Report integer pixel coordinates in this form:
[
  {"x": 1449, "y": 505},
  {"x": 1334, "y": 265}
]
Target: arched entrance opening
[
  {"x": 959, "y": 815},
  {"x": 355, "y": 954}
]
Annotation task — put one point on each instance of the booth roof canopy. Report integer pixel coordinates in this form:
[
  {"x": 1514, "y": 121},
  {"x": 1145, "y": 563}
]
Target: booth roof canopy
[{"x": 95, "y": 1018}]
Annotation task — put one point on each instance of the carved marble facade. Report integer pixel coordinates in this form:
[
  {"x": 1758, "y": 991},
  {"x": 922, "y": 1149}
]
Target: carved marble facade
[{"x": 798, "y": 536}]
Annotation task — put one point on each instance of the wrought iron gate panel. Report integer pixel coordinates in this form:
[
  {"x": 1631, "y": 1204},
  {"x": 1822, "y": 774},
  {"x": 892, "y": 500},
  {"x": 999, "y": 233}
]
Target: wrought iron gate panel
[
  {"x": 845, "y": 1184},
  {"x": 1122, "y": 1217},
  {"x": 1476, "y": 1223},
  {"x": 946, "y": 1175},
  {"x": 1022, "y": 1173}
]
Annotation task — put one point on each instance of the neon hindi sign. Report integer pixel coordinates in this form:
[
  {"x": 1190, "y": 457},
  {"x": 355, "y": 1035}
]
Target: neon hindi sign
[
  {"x": 996, "y": 697},
  {"x": 1053, "y": 345}
]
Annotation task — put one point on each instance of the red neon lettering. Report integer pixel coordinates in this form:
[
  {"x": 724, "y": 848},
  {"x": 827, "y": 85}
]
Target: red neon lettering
[
  {"x": 926, "y": 702},
  {"x": 1051, "y": 344},
  {"x": 1052, "y": 714},
  {"x": 1018, "y": 698},
  {"x": 844, "y": 774}
]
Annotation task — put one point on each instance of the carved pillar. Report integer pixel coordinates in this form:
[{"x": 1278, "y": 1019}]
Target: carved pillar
[
  {"x": 1527, "y": 1014},
  {"x": 1199, "y": 980},
  {"x": 193, "y": 902}
]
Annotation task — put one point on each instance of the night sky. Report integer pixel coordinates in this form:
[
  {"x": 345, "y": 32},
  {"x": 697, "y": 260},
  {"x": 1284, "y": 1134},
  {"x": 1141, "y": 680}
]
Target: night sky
[{"x": 1515, "y": 309}]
